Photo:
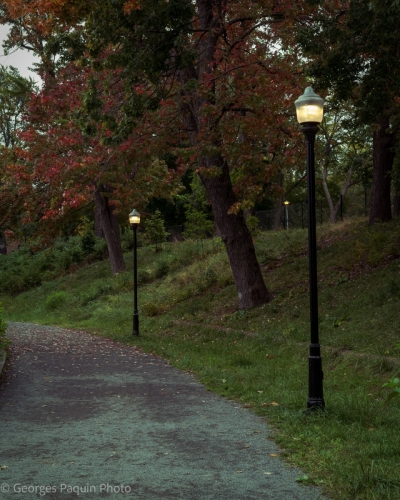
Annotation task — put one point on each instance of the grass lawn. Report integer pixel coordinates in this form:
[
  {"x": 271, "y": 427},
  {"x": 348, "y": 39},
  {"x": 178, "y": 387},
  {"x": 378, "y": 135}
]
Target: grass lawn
[{"x": 188, "y": 315}]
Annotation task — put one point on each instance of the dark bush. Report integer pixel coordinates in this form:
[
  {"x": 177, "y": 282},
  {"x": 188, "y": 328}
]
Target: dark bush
[
  {"x": 25, "y": 269},
  {"x": 162, "y": 269}
]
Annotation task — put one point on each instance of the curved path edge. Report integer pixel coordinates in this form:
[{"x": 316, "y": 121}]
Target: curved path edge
[
  {"x": 3, "y": 357},
  {"x": 86, "y": 417}
]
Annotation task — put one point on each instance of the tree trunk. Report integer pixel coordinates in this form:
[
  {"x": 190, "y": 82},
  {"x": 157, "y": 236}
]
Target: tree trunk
[
  {"x": 384, "y": 143},
  {"x": 232, "y": 228},
  {"x": 334, "y": 209},
  {"x": 110, "y": 228},
  {"x": 98, "y": 227},
  {"x": 236, "y": 236}
]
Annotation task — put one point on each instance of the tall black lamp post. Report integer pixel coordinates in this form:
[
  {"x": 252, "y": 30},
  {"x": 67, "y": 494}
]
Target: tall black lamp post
[
  {"x": 134, "y": 219},
  {"x": 310, "y": 110}
]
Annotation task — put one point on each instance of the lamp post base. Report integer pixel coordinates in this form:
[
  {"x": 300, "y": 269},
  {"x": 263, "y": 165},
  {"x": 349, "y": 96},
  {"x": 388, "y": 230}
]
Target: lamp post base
[
  {"x": 315, "y": 384},
  {"x": 135, "y": 323},
  {"x": 315, "y": 404}
]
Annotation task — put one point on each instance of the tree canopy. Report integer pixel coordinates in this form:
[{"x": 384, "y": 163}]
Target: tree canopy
[
  {"x": 210, "y": 83},
  {"x": 354, "y": 52}
]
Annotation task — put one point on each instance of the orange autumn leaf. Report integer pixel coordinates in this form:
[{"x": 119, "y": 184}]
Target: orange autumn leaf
[{"x": 131, "y": 5}]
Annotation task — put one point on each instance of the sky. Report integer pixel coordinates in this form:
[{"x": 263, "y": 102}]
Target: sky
[{"x": 20, "y": 59}]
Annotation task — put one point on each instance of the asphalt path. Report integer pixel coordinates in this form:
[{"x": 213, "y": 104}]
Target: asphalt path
[{"x": 85, "y": 417}]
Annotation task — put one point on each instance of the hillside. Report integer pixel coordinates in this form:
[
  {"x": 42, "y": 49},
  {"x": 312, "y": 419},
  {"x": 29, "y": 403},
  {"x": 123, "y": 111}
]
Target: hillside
[{"x": 188, "y": 315}]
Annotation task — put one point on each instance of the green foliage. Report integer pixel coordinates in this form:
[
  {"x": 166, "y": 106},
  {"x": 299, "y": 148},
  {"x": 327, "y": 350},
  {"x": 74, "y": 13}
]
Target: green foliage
[
  {"x": 394, "y": 384},
  {"x": 25, "y": 268},
  {"x": 210, "y": 277},
  {"x": 258, "y": 357},
  {"x": 127, "y": 239},
  {"x": 14, "y": 94},
  {"x": 88, "y": 242},
  {"x": 96, "y": 290},
  {"x": 144, "y": 276},
  {"x": 55, "y": 300},
  {"x": 371, "y": 481},
  {"x": 122, "y": 282},
  {"x": 162, "y": 269},
  {"x": 145, "y": 38},
  {"x": 151, "y": 309},
  {"x": 253, "y": 223},
  {"x": 197, "y": 225},
  {"x": 155, "y": 229},
  {"x": 372, "y": 246},
  {"x": 338, "y": 55}
]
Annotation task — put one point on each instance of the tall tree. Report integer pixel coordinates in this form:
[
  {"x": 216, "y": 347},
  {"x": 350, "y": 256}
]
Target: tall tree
[
  {"x": 346, "y": 155},
  {"x": 355, "y": 52},
  {"x": 54, "y": 30},
  {"x": 62, "y": 168},
  {"x": 15, "y": 93},
  {"x": 232, "y": 101},
  {"x": 219, "y": 60}
]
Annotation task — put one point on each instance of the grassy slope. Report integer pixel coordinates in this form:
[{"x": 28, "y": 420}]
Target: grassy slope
[{"x": 188, "y": 314}]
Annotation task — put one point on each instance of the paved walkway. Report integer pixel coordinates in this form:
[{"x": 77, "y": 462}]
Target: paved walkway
[{"x": 84, "y": 417}]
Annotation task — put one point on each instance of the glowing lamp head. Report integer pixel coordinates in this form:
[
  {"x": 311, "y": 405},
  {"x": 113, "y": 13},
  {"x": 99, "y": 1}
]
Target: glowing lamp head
[
  {"x": 134, "y": 217},
  {"x": 309, "y": 107}
]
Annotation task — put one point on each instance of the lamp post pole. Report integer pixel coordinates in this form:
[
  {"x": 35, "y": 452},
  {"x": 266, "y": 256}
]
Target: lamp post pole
[
  {"x": 315, "y": 384},
  {"x": 309, "y": 113},
  {"x": 135, "y": 305},
  {"x": 287, "y": 213},
  {"x": 134, "y": 219}
]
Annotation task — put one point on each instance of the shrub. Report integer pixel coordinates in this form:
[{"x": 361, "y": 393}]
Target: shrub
[
  {"x": 155, "y": 229},
  {"x": 197, "y": 225},
  {"x": 144, "y": 276},
  {"x": 98, "y": 290},
  {"x": 394, "y": 384},
  {"x": 162, "y": 269},
  {"x": 88, "y": 242},
  {"x": 126, "y": 239},
  {"x": 152, "y": 309},
  {"x": 123, "y": 282},
  {"x": 24, "y": 269},
  {"x": 210, "y": 277},
  {"x": 56, "y": 300},
  {"x": 100, "y": 249},
  {"x": 253, "y": 223}
]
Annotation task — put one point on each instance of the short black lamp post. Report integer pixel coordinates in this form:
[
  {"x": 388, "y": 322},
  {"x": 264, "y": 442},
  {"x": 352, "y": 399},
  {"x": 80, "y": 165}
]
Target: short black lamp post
[
  {"x": 310, "y": 110},
  {"x": 287, "y": 214},
  {"x": 134, "y": 219}
]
